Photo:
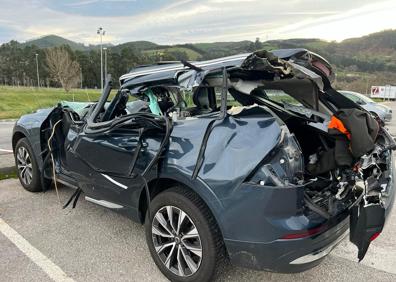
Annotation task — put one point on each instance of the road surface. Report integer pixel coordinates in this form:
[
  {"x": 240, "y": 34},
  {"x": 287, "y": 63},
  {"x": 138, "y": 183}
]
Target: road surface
[
  {"x": 39, "y": 240},
  {"x": 6, "y": 157}
]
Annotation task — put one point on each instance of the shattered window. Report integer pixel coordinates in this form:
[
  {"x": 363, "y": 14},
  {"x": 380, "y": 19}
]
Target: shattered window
[
  {"x": 187, "y": 96},
  {"x": 230, "y": 100}
]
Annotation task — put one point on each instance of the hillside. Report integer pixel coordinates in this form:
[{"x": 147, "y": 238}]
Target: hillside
[
  {"x": 54, "y": 41},
  {"x": 384, "y": 41},
  {"x": 136, "y": 45},
  {"x": 376, "y": 51},
  {"x": 359, "y": 62},
  {"x": 50, "y": 41}
]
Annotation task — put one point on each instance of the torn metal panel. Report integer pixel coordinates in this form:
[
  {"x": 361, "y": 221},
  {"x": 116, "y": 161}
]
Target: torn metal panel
[
  {"x": 266, "y": 61},
  {"x": 301, "y": 72}
]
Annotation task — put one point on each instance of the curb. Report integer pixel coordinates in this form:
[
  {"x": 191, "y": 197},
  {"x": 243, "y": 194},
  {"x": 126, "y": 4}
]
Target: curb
[
  {"x": 5, "y": 170},
  {"x": 8, "y": 120}
]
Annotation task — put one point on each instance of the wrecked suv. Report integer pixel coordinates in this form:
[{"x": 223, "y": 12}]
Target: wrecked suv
[{"x": 253, "y": 158}]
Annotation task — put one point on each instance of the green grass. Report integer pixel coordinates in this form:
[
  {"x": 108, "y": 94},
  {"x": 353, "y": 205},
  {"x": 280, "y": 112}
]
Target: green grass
[
  {"x": 8, "y": 175},
  {"x": 192, "y": 55},
  {"x": 17, "y": 101}
]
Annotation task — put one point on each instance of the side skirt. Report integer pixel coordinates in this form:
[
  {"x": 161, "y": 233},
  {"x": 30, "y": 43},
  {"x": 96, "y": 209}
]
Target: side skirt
[{"x": 104, "y": 203}]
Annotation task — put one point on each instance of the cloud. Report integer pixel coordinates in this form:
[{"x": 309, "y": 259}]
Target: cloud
[
  {"x": 195, "y": 21},
  {"x": 232, "y": 1},
  {"x": 312, "y": 13},
  {"x": 354, "y": 22},
  {"x": 89, "y": 2},
  {"x": 81, "y": 3}
]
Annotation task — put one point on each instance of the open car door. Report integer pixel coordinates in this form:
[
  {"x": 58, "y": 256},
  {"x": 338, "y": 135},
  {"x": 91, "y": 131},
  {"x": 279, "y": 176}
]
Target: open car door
[{"x": 113, "y": 155}]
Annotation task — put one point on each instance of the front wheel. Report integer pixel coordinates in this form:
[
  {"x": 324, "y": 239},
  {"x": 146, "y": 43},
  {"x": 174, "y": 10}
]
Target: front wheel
[
  {"x": 26, "y": 164},
  {"x": 183, "y": 237}
]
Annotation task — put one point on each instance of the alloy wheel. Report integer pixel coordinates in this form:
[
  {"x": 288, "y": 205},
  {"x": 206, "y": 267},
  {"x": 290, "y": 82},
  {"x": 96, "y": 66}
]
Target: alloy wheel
[
  {"x": 24, "y": 165},
  {"x": 176, "y": 241}
]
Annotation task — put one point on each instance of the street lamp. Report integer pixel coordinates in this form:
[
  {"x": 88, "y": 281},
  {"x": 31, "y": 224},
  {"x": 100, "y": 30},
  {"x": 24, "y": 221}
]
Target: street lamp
[
  {"x": 81, "y": 78},
  {"x": 105, "y": 64},
  {"x": 38, "y": 76},
  {"x": 101, "y": 32}
]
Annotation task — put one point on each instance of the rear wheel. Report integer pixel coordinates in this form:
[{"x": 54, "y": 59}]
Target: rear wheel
[
  {"x": 26, "y": 165},
  {"x": 183, "y": 237}
]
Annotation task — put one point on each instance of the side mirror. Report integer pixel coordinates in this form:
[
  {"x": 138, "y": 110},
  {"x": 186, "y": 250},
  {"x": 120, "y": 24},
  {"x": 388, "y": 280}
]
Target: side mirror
[{"x": 360, "y": 102}]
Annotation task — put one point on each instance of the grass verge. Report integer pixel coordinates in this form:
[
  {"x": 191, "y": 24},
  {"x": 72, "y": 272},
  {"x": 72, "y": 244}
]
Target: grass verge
[
  {"x": 8, "y": 175},
  {"x": 17, "y": 101}
]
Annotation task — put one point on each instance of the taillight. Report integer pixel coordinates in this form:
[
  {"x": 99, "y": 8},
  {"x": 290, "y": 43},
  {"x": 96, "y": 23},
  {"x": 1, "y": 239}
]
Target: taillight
[
  {"x": 304, "y": 234},
  {"x": 375, "y": 235}
]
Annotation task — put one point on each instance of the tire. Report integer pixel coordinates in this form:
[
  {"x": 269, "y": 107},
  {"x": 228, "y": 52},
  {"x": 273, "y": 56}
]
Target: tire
[
  {"x": 26, "y": 164},
  {"x": 208, "y": 241}
]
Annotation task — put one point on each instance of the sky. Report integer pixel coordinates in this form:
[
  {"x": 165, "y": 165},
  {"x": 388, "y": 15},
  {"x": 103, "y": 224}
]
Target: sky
[{"x": 190, "y": 21}]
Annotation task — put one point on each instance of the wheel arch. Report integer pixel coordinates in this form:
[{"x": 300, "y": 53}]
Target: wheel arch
[
  {"x": 17, "y": 135},
  {"x": 161, "y": 184}
]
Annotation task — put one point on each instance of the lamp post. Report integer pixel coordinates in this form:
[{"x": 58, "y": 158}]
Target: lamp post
[
  {"x": 105, "y": 63},
  {"x": 101, "y": 32},
  {"x": 81, "y": 78},
  {"x": 38, "y": 76}
]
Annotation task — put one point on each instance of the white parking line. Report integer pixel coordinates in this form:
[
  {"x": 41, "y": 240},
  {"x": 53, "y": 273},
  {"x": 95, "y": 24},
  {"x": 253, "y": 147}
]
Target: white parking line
[
  {"x": 50, "y": 268},
  {"x": 5, "y": 150}
]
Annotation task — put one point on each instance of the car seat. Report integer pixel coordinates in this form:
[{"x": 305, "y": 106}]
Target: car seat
[{"x": 205, "y": 100}]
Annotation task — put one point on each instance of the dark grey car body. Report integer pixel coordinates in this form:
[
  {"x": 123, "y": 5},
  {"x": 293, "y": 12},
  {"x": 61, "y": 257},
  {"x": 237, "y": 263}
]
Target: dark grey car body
[{"x": 263, "y": 226}]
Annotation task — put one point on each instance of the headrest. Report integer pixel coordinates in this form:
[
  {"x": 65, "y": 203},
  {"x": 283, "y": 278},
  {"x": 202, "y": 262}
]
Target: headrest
[{"x": 205, "y": 98}]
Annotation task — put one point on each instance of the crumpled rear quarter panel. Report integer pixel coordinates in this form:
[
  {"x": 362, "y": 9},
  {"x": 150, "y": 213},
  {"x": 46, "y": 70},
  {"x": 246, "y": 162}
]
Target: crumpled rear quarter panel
[{"x": 235, "y": 147}]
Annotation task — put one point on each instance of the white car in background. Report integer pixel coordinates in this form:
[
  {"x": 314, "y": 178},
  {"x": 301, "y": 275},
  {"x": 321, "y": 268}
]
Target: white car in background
[{"x": 382, "y": 111}]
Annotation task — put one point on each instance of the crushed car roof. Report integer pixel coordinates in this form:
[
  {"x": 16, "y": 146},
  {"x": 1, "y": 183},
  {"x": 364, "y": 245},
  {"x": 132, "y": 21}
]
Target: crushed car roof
[
  {"x": 163, "y": 71},
  {"x": 169, "y": 70}
]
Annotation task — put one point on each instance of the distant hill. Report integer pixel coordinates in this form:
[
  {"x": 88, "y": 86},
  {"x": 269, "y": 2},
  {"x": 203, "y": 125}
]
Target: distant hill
[
  {"x": 373, "y": 52},
  {"x": 49, "y": 41},
  {"x": 384, "y": 41},
  {"x": 217, "y": 49},
  {"x": 375, "y": 42},
  {"x": 54, "y": 41},
  {"x": 137, "y": 45},
  {"x": 377, "y": 49},
  {"x": 359, "y": 62}
]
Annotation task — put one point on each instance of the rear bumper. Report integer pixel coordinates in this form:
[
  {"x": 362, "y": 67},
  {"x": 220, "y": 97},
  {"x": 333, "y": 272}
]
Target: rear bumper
[
  {"x": 255, "y": 228},
  {"x": 287, "y": 256},
  {"x": 263, "y": 250}
]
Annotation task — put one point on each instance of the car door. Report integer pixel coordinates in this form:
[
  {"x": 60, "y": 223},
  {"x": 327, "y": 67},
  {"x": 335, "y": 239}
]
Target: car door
[{"x": 108, "y": 165}]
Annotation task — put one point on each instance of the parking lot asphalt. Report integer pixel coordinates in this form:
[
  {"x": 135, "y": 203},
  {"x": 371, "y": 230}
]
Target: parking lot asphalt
[
  {"x": 5, "y": 134},
  {"x": 39, "y": 240},
  {"x": 6, "y": 157},
  {"x": 91, "y": 243}
]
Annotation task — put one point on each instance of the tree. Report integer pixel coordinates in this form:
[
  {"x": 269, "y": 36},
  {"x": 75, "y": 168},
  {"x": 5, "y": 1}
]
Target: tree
[
  {"x": 62, "y": 68},
  {"x": 179, "y": 55},
  {"x": 257, "y": 44}
]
